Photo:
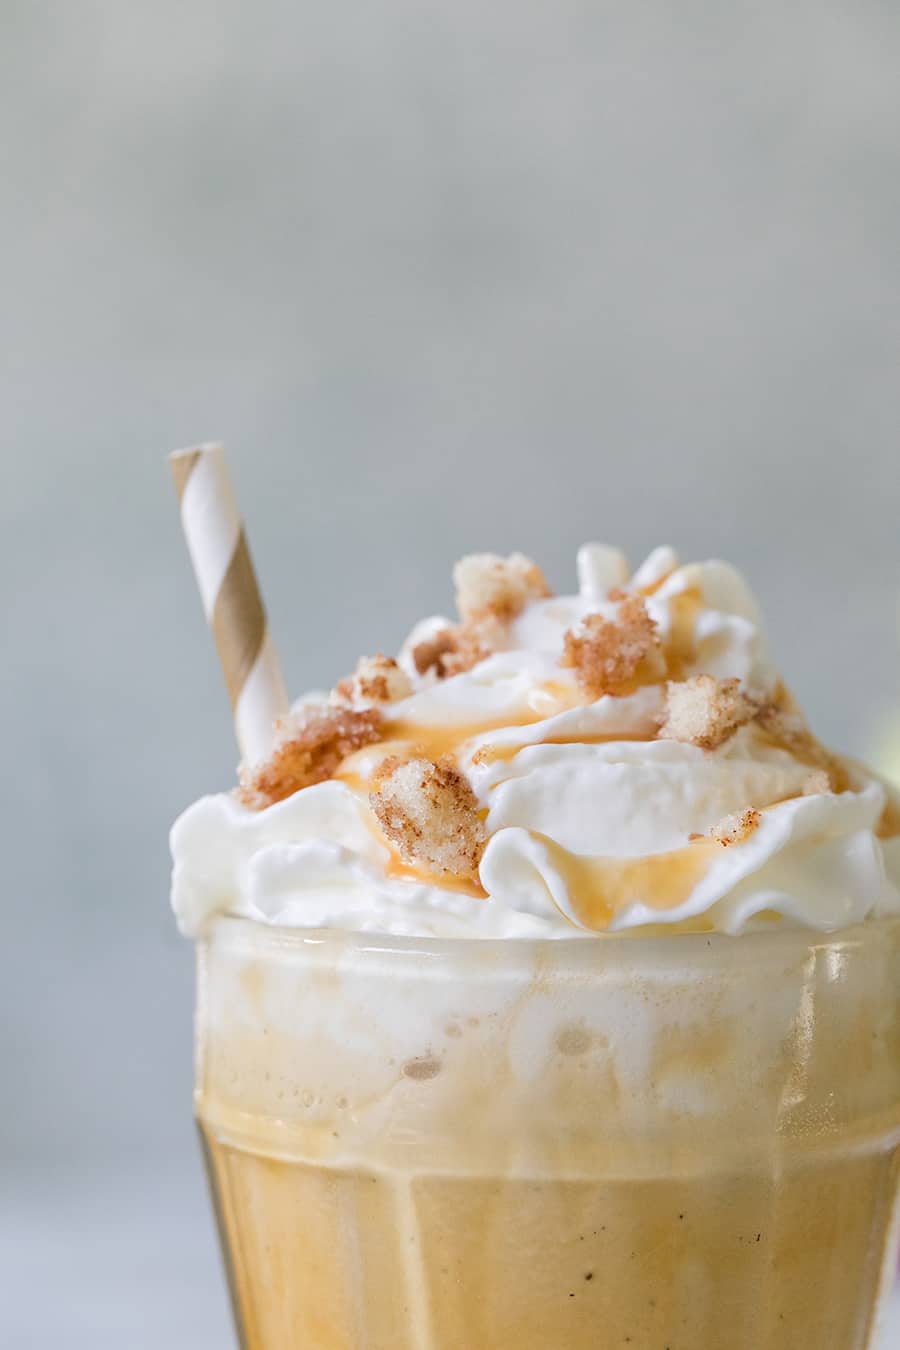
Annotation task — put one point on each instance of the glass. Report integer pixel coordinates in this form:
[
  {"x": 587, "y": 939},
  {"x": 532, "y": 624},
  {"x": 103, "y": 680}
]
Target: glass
[{"x": 672, "y": 1143}]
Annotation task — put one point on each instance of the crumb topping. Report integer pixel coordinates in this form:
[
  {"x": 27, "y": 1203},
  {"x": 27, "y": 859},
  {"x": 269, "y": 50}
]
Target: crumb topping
[
  {"x": 426, "y": 806},
  {"x": 613, "y": 656},
  {"x": 377, "y": 679},
  {"x": 431, "y": 655},
  {"x": 487, "y": 584},
  {"x": 737, "y": 828},
  {"x": 428, "y": 809},
  {"x": 490, "y": 592},
  {"x": 704, "y": 711},
  {"x": 457, "y": 649},
  {"x": 310, "y": 748}
]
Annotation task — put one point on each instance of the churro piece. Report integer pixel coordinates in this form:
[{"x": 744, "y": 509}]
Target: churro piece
[
  {"x": 428, "y": 809},
  {"x": 377, "y": 679},
  {"x": 614, "y": 656},
  {"x": 704, "y": 711},
  {"x": 310, "y": 748},
  {"x": 487, "y": 584}
]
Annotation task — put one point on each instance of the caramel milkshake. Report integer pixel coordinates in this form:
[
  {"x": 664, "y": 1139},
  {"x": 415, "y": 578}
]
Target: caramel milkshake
[{"x": 549, "y": 989}]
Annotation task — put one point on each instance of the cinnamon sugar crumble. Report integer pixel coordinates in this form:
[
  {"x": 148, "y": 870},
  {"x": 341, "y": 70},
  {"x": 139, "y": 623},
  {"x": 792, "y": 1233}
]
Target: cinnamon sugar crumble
[
  {"x": 490, "y": 592},
  {"x": 490, "y": 585},
  {"x": 455, "y": 650},
  {"x": 704, "y": 711},
  {"x": 310, "y": 748},
  {"x": 474, "y": 643},
  {"x": 737, "y": 828},
  {"x": 432, "y": 654},
  {"x": 428, "y": 809},
  {"x": 377, "y": 679},
  {"x": 609, "y": 656}
]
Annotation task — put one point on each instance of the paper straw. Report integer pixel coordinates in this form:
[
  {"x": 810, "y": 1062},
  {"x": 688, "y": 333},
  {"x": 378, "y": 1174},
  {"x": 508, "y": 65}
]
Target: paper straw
[{"x": 231, "y": 597}]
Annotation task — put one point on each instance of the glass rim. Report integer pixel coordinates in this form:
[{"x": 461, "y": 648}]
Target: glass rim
[{"x": 630, "y": 947}]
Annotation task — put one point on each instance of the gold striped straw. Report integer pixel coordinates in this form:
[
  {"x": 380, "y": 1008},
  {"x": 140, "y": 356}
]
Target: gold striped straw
[{"x": 231, "y": 597}]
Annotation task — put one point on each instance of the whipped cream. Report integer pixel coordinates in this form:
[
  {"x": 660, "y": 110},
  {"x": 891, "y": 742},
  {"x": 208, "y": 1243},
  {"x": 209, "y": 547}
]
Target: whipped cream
[{"x": 594, "y": 824}]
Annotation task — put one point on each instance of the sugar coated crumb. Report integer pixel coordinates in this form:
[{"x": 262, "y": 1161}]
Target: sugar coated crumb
[
  {"x": 310, "y": 747},
  {"x": 736, "y": 828},
  {"x": 431, "y": 655},
  {"x": 377, "y": 679},
  {"x": 428, "y": 809},
  {"x": 610, "y": 656},
  {"x": 501, "y": 587},
  {"x": 704, "y": 711},
  {"x": 458, "y": 648}
]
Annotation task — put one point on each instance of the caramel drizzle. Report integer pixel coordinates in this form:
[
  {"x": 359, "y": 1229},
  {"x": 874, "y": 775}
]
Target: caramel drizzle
[
  {"x": 599, "y": 887},
  {"x": 439, "y": 742},
  {"x": 680, "y": 649},
  {"x": 399, "y": 870},
  {"x": 506, "y": 751},
  {"x": 889, "y": 824}
]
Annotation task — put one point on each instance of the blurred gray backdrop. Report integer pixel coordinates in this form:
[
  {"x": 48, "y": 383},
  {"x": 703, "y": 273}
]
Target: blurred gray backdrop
[{"x": 443, "y": 277}]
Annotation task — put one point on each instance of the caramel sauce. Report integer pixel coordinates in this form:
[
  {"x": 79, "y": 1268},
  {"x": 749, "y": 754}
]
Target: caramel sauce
[
  {"x": 505, "y": 753},
  {"x": 681, "y": 645},
  {"x": 398, "y": 870},
  {"x": 889, "y": 824},
  {"x": 564, "y": 696},
  {"x": 595, "y": 738},
  {"x": 499, "y": 754},
  {"x": 654, "y": 586},
  {"x": 600, "y": 886},
  {"x": 436, "y": 742}
]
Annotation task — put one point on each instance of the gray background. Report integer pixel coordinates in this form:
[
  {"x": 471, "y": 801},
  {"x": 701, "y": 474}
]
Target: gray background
[{"x": 446, "y": 276}]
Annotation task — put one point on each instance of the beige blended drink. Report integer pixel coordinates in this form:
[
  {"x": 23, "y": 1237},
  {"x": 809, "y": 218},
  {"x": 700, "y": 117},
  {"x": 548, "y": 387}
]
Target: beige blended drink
[
  {"x": 420, "y": 1144},
  {"x": 549, "y": 990}
]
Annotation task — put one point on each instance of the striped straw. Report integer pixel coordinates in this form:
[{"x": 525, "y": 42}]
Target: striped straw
[{"x": 230, "y": 593}]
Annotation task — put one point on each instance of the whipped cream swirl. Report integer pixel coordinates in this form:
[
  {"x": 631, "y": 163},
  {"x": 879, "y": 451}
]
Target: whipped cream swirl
[{"x": 594, "y": 823}]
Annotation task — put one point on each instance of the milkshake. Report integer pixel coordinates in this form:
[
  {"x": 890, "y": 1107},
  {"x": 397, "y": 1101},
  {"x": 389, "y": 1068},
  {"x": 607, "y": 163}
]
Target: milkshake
[{"x": 549, "y": 989}]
